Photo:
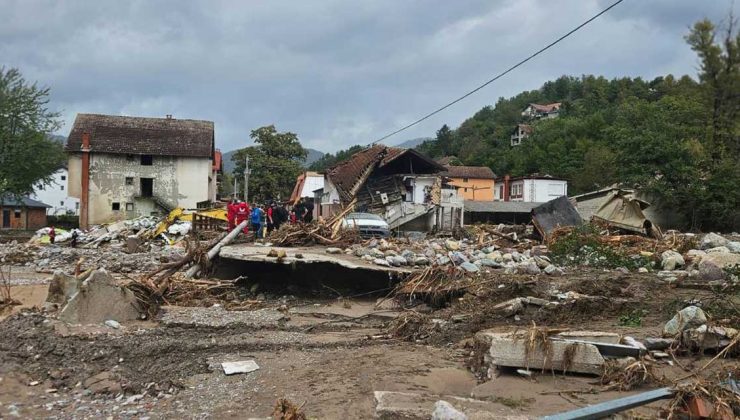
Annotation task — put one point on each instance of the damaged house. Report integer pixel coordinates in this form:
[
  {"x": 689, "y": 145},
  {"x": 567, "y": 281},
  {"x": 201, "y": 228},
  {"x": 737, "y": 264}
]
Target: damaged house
[
  {"x": 125, "y": 167},
  {"x": 403, "y": 186}
]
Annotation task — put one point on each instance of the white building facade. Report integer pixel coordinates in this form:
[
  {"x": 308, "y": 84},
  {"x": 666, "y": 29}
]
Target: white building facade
[
  {"x": 57, "y": 195},
  {"x": 530, "y": 189}
]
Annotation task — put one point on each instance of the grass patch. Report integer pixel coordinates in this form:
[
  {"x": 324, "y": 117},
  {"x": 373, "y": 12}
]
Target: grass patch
[{"x": 632, "y": 319}]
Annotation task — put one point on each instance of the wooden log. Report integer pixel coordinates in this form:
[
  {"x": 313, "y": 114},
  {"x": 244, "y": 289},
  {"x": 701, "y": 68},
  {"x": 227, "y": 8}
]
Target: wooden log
[{"x": 192, "y": 271}]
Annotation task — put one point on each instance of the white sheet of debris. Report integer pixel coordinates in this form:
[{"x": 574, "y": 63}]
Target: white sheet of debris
[{"x": 244, "y": 366}]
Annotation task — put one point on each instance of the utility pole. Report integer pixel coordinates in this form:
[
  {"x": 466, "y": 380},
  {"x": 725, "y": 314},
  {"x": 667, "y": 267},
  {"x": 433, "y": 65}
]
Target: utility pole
[
  {"x": 233, "y": 193},
  {"x": 246, "y": 179}
]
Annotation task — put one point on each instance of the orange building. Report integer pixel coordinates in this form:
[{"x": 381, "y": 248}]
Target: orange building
[{"x": 473, "y": 182}]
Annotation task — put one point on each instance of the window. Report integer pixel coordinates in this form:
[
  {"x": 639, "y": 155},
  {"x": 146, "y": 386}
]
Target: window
[
  {"x": 61, "y": 203},
  {"x": 116, "y": 206},
  {"x": 64, "y": 177},
  {"x": 77, "y": 206},
  {"x": 147, "y": 187},
  {"x": 61, "y": 187},
  {"x": 17, "y": 214},
  {"x": 129, "y": 206},
  {"x": 465, "y": 179},
  {"x": 465, "y": 190},
  {"x": 129, "y": 180},
  {"x": 146, "y": 160}
]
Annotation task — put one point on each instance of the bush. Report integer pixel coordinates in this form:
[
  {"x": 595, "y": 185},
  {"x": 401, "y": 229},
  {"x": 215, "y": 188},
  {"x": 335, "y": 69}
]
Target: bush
[
  {"x": 581, "y": 246},
  {"x": 65, "y": 221}
]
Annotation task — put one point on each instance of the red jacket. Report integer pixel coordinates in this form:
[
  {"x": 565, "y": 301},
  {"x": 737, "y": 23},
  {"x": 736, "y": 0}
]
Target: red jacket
[
  {"x": 242, "y": 212},
  {"x": 231, "y": 211}
]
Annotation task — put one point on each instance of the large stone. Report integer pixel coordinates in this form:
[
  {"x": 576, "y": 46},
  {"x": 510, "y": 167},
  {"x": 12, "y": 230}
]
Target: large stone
[
  {"x": 672, "y": 260},
  {"x": 713, "y": 265},
  {"x": 734, "y": 247},
  {"x": 529, "y": 267},
  {"x": 333, "y": 250},
  {"x": 490, "y": 263},
  {"x": 452, "y": 245},
  {"x": 469, "y": 267},
  {"x": 654, "y": 343},
  {"x": 712, "y": 240},
  {"x": 391, "y": 405},
  {"x": 382, "y": 262},
  {"x": 509, "y": 307},
  {"x": 446, "y": 411},
  {"x": 706, "y": 338},
  {"x": 396, "y": 260},
  {"x": 99, "y": 299},
  {"x": 552, "y": 270},
  {"x": 511, "y": 350},
  {"x": 103, "y": 383},
  {"x": 688, "y": 317},
  {"x": 720, "y": 249}
]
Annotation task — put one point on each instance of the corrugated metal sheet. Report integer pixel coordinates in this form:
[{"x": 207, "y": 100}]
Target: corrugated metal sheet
[{"x": 499, "y": 206}]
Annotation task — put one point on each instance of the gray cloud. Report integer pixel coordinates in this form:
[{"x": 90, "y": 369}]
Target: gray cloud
[{"x": 335, "y": 72}]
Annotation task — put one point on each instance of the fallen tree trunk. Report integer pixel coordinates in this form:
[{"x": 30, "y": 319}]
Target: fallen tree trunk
[{"x": 192, "y": 271}]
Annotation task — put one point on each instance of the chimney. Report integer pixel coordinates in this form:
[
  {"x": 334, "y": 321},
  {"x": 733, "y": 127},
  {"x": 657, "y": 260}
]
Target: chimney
[
  {"x": 85, "y": 182},
  {"x": 507, "y": 188}
]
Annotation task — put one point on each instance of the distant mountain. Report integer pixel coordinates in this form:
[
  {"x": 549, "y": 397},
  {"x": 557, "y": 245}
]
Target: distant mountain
[
  {"x": 313, "y": 156},
  {"x": 410, "y": 144},
  {"x": 57, "y": 138}
]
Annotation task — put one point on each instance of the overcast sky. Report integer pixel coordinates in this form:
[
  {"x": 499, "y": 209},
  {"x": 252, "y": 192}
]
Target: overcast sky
[{"x": 336, "y": 72}]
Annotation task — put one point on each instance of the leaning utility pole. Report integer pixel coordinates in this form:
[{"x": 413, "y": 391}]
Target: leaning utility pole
[{"x": 246, "y": 179}]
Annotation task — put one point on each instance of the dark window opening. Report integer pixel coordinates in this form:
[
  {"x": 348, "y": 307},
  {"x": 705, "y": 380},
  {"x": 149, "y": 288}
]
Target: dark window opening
[
  {"x": 62, "y": 187},
  {"x": 64, "y": 177},
  {"x": 129, "y": 180},
  {"x": 147, "y": 187},
  {"x": 116, "y": 206},
  {"x": 465, "y": 179},
  {"x": 146, "y": 160},
  {"x": 17, "y": 214}
]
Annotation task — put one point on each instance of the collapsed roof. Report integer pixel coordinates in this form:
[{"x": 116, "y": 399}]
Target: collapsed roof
[
  {"x": 143, "y": 136},
  {"x": 350, "y": 175}
]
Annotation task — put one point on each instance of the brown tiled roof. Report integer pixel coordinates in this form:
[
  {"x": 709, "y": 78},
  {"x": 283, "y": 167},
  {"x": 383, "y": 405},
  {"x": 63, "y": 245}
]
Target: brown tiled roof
[
  {"x": 143, "y": 136},
  {"x": 349, "y": 175},
  {"x": 478, "y": 172},
  {"x": 546, "y": 107},
  {"x": 524, "y": 127}
]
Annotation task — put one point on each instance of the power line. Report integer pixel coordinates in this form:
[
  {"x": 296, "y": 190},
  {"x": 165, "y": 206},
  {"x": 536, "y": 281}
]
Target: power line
[{"x": 438, "y": 110}]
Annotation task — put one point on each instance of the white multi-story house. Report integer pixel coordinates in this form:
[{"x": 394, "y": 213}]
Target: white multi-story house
[
  {"x": 530, "y": 189},
  {"x": 56, "y": 195},
  {"x": 125, "y": 167},
  {"x": 521, "y": 132}
]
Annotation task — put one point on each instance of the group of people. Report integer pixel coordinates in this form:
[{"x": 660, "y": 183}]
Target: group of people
[{"x": 265, "y": 218}]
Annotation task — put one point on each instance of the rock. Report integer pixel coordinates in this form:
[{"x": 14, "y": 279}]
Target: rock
[
  {"x": 654, "y": 343},
  {"x": 391, "y": 405},
  {"x": 542, "y": 262},
  {"x": 642, "y": 270},
  {"x": 380, "y": 261},
  {"x": 721, "y": 249},
  {"x": 713, "y": 240},
  {"x": 361, "y": 252},
  {"x": 99, "y": 299},
  {"x": 275, "y": 253},
  {"x": 112, "y": 324},
  {"x": 396, "y": 260},
  {"x": 696, "y": 253},
  {"x": 507, "y": 257},
  {"x": 332, "y": 250},
  {"x": 632, "y": 342},
  {"x": 734, "y": 247},
  {"x": 452, "y": 245},
  {"x": 457, "y": 257},
  {"x": 552, "y": 270},
  {"x": 390, "y": 253},
  {"x": 712, "y": 266},
  {"x": 529, "y": 267},
  {"x": 133, "y": 244},
  {"x": 688, "y": 317},
  {"x": 671, "y": 260},
  {"x": 489, "y": 263},
  {"x": 368, "y": 257},
  {"x": 375, "y": 252},
  {"x": 509, "y": 307},
  {"x": 706, "y": 338},
  {"x": 469, "y": 267},
  {"x": 445, "y": 411},
  {"x": 103, "y": 382},
  {"x": 244, "y": 366},
  {"x": 421, "y": 261},
  {"x": 507, "y": 349},
  {"x": 443, "y": 260}
]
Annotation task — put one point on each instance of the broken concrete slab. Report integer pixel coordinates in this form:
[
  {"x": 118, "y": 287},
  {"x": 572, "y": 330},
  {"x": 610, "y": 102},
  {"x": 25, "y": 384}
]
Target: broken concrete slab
[
  {"x": 391, "y": 405},
  {"x": 446, "y": 411},
  {"x": 244, "y": 366},
  {"x": 595, "y": 336},
  {"x": 555, "y": 213},
  {"x": 61, "y": 288},
  {"x": 514, "y": 350},
  {"x": 102, "y": 383},
  {"x": 99, "y": 299}
]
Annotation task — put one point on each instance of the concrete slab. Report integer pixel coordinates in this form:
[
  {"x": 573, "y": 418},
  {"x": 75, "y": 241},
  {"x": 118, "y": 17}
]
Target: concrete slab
[
  {"x": 99, "y": 299},
  {"x": 596, "y": 336},
  {"x": 244, "y": 366},
  {"x": 309, "y": 255},
  {"x": 419, "y": 406},
  {"x": 510, "y": 350}
]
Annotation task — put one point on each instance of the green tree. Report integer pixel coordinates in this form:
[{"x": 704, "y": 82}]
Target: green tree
[
  {"x": 275, "y": 163},
  {"x": 28, "y": 157},
  {"x": 329, "y": 160}
]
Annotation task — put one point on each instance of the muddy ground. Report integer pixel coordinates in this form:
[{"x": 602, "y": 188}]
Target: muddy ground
[{"x": 325, "y": 353}]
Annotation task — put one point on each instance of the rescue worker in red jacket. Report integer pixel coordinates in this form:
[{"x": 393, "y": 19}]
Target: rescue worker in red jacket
[
  {"x": 242, "y": 214},
  {"x": 231, "y": 213}
]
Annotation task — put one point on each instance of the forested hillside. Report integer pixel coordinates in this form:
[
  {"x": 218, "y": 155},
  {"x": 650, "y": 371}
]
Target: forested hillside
[{"x": 672, "y": 136}]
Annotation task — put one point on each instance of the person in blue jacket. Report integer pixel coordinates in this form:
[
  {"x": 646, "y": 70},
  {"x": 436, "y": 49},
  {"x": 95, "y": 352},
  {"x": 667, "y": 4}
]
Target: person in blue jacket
[{"x": 257, "y": 221}]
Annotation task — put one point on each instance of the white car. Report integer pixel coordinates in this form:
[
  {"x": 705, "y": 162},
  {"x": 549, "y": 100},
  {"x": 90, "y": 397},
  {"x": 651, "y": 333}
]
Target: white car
[{"x": 369, "y": 225}]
